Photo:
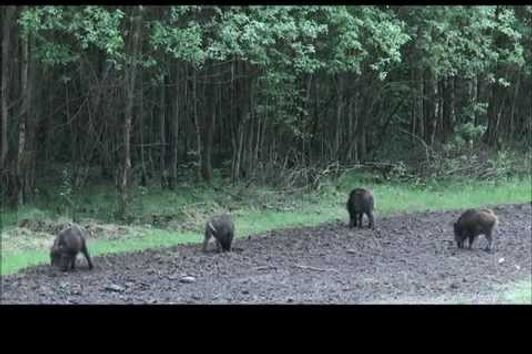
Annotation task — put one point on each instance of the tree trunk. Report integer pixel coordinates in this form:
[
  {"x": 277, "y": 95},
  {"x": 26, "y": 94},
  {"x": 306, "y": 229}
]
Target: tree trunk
[
  {"x": 6, "y": 33},
  {"x": 360, "y": 127},
  {"x": 24, "y": 112},
  {"x": 513, "y": 106},
  {"x": 315, "y": 119},
  {"x": 209, "y": 119},
  {"x": 419, "y": 99},
  {"x": 30, "y": 147},
  {"x": 448, "y": 108},
  {"x": 339, "y": 112},
  {"x": 130, "y": 76},
  {"x": 252, "y": 128},
  {"x": 350, "y": 131},
  {"x": 241, "y": 118},
  {"x": 490, "y": 136},
  {"x": 162, "y": 134},
  {"x": 261, "y": 123},
  {"x": 142, "y": 127},
  {"x": 174, "y": 130},
  {"x": 413, "y": 116},
  {"x": 152, "y": 136},
  {"x": 478, "y": 95},
  {"x": 231, "y": 118},
  {"x": 196, "y": 122},
  {"x": 432, "y": 108},
  {"x": 238, "y": 153},
  {"x": 472, "y": 98},
  {"x": 495, "y": 98}
]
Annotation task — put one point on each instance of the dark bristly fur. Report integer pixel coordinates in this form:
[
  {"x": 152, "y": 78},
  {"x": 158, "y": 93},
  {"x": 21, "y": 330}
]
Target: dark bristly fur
[
  {"x": 475, "y": 222},
  {"x": 360, "y": 202},
  {"x": 66, "y": 246},
  {"x": 223, "y": 231}
]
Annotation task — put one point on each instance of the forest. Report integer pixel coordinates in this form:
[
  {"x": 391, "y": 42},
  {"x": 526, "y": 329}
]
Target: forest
[{"x": 268, "y": 95}]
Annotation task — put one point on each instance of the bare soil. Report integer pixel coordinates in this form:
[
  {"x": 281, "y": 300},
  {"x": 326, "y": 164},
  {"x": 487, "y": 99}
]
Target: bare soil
[{"x": 406, "y": 259}]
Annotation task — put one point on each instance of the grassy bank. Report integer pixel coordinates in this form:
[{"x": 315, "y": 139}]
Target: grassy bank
[
  {"x": 519, "y": 293},
  {"x": 255, "y": 211}
]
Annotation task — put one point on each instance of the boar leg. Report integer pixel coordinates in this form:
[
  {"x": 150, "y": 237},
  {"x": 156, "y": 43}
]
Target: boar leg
[
  {"x": 206, "y": 241},
  {"x": 86, "y": 254},
  {"x": 226, "y": 245},
  {"x": 229, "y": 243},
  {"x": 371, "y": 220},
  {"x": 352, "y": 219},
  {"x": 64, "y": 263},
  {"x": 471, "y": 240},
  {"x": 490, "y": 241}
]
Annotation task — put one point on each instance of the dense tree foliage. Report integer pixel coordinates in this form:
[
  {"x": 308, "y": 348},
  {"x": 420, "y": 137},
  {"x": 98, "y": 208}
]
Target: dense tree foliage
[{"x": 146, "y": 94}]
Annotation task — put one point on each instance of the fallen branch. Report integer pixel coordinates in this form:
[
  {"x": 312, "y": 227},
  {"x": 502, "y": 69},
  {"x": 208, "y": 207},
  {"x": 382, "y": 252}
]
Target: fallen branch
[
  {"x": 265, "y": 268},
  {"x": 314, "y": 268}
]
